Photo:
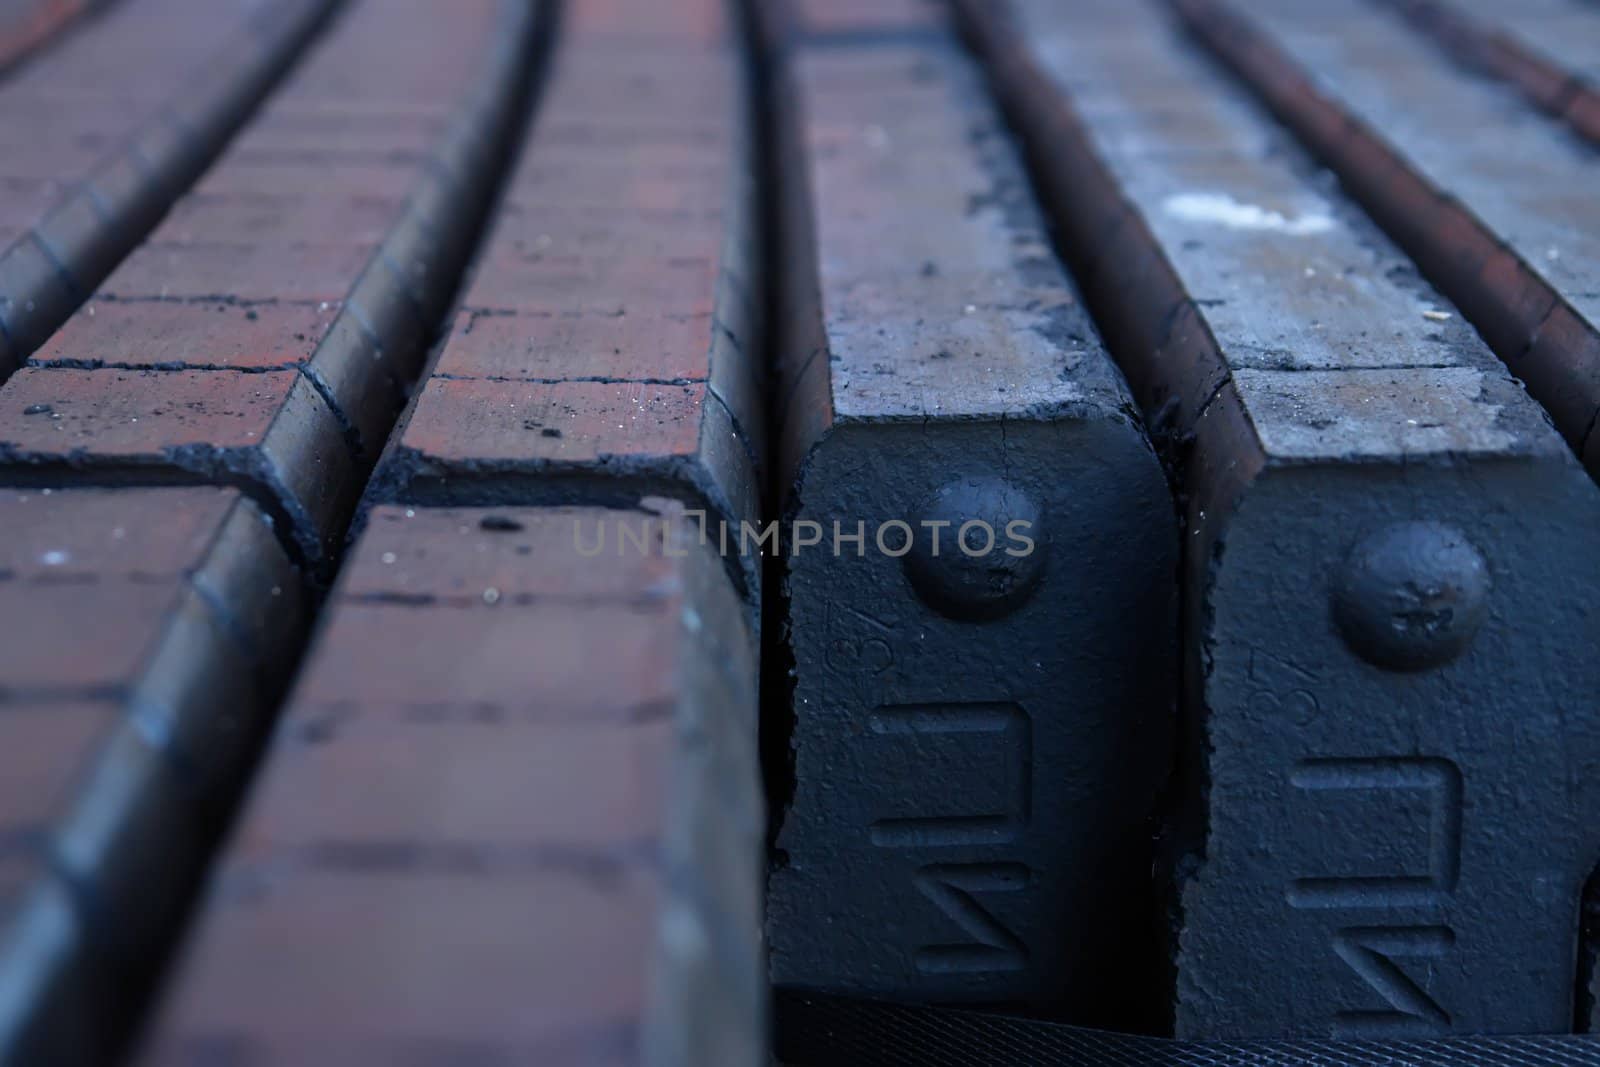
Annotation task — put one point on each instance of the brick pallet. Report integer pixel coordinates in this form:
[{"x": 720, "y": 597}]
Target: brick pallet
[{"x": 399, "y": 400}]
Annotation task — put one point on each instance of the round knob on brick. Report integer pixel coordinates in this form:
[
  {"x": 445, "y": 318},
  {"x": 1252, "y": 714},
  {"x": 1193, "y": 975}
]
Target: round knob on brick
[
  {"x": 978, "y": 551},
  {"x": 1412, "y": 595}
]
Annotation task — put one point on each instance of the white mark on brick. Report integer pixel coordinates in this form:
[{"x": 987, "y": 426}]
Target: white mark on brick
[{"x": 1219, "y": 209}]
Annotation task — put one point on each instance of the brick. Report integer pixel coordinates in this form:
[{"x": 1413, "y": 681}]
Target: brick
[
  {"x": 1508, "y": 170},
  {"x": 120, "y": 415},
  {"x": 29, "y": 24},
  {"x": 851, "y": 16},
  {"x": 458, "y": 553},
  {"x": 576, "y": 809},
  {"x": 684, "y": 284},
  {"x": 282, "y": 216},
  {"x": 271, "y": 429},
  {"x": 132, "y": 616},
  {"x": 59, "y": 736},
  {"x": 610, "y": 334},
  {"x": 154, "y": 56},
  {"x": 68, "y": 536},
  {"x": 1370, "y": 600},
  {"x": 187, "y": 334},
  {"x": 693, "y": 21},
  {"x": 1485, "y": 45},
  {"x": 309, "y": 273},
  {"x": 563, "y": 343},
  {"x": 482, "y": 422},
  {"x": 938, "y": 366},
  {"x": 330, "y": 329},
  {"x": 272, "y": 178}
]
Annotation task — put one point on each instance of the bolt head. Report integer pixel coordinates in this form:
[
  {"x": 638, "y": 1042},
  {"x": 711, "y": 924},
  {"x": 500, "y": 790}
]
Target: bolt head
[
  {"x": 1411, "y": 596},
  {"x": 967, "y": 585}
]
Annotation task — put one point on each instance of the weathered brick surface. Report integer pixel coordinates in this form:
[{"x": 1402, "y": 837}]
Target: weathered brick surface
[
  {"x": 329, "y": 310},
  {"x": 1484, "y": 194},
  {"x": 554, "y": 855},
  {"x": 957, "y": 828},
  {"x": 148, "y": 632},
  {"x": 1385, "y": 614},
  {"x": 1549, "y": 52},
  {"x": 610, "y": 332},
  {"x": 108, "y": 127}
]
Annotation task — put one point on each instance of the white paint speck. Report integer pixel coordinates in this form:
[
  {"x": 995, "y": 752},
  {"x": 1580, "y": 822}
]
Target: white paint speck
[
  {"x": 1219, "y": 209},
  {"x": 1437, "y": 316},
  {"x": 53, "y": 558}
]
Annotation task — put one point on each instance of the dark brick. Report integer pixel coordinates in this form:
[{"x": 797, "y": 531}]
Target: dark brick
[
  {"x": 1369, "y": 781},
  {"x": 956, "y": 830}
]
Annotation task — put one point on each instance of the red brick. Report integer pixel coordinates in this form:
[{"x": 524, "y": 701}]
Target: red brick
[
  {"x": 682, "y": 285},
  {"x": 529, "y": 783},
  {"x": 1584, "y": 113},
  {"x": 610, "y": 324},
  {"x": 460, "y": 553},
  {"x": 97, "y": 115},
  {"x": 432, "y": 962},
  {"x": 847, "y": 16},
  {"x": 199, "y": 334},
  {"x": 364, "y": 218},
  {"x": 273, "y": 264},
  {"x": 666, "y": 345},
  {"x": 272, "y": 179},
  {"x": 61, "y": 738},
  {"x": 263, "y": 271},
  {"x": 695, "y": 20},
  {"x": 28, "y": 24},
  {"x": 116, "y": 414},
  {"x": 474, "y": 421},
  {"x": 480, "y": 658},
  {"x": 73, "y": 534},
  {"x": 79, "y": 638}
]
